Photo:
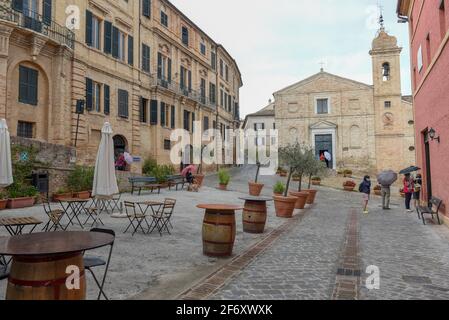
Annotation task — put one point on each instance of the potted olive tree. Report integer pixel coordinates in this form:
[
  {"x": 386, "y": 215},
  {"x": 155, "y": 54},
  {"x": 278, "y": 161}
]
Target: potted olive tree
[
  {"x": 279, "y": 189},
  {"x": 304, "y": 158},
  {"x": 290, "y": 157},
  {"x": 349, "y": 185},
  {"x": 315, "y": 168},
  {"x": 223, "y": 179},
  {"x": 255, "y": 188},
  {"x": 80, "y": 182}
]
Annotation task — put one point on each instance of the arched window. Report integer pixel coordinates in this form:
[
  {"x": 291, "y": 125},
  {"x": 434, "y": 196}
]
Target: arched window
[
  {"x": 355, "y": 137},
  {"x": 386, "y": 71}
]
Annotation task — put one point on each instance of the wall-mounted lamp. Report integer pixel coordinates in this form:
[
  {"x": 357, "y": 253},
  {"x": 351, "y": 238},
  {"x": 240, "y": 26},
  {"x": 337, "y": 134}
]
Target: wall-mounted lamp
[{"x": 433, "y": 135}]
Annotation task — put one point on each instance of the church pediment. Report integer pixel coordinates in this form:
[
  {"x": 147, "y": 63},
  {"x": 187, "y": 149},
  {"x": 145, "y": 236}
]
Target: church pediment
[{"x": 323, "y": 125}]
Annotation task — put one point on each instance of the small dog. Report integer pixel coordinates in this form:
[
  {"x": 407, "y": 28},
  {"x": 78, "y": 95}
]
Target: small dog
[{"x": 193, "y": 188}]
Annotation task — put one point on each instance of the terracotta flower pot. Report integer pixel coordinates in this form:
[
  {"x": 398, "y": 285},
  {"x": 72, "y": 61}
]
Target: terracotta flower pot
[
  {"x": 278, "y": 194},
  {"x": 302, "y": 198},
  {"x": 199, "y": 179},
  {"x": 312, "y": 196},
  {"x": 283, "y": 174},
  {"x": 285, "y": 206},
  {"x": 3, "y": 204},
  {"x": 82, "y": 195},
  {"x": 58, "y": 197},
  {"x": 20, "y": 203},
  {"x": 223, "y": 187},
  {"x": 255, "y": 189},
  {"x": 316, "y": 182},
  {"x": 348, "y": 188}
]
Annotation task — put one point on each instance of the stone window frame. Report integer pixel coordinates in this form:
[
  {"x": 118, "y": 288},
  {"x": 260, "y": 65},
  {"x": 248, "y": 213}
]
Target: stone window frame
[{"x": 329, "y": 105}]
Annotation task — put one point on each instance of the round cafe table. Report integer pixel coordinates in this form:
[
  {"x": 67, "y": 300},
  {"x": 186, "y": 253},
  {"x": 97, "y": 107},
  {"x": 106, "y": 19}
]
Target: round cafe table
[
  {"x": 255, "y": 214},
  {"x": 43, "y": 262},
  {"x": 219, "y": 229}
]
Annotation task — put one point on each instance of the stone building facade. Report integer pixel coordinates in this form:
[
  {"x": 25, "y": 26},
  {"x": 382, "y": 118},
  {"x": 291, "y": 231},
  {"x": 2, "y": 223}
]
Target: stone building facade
[
  {"x": 364, "y": 127},
  {"x": 141, "y": 65}
]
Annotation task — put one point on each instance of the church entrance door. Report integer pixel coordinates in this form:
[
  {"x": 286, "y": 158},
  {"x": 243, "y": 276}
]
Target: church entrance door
[{"x": 323, "y": 143}]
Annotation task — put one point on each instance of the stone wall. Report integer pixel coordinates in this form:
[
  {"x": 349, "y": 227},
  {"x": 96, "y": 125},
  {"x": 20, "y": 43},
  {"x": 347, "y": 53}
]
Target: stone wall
[{"x": 58, "y": 160}]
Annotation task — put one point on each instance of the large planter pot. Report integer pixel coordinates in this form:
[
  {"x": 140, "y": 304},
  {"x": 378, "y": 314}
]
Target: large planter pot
[
  {"x": 316, "y": 182},
  {"x": 223, "y": 187},
  {"x": 285, "y": 206},
  {"x": 199, "y": 179},
  {"x": 255, "y": 189},
  {"x": 302, "y": 198},
  {"x": 312, "y": 196},
  {"x": 61, "y": 196},
  {"x": 82, "y": 195},
  {"x": 277, "y": 194},
  {"x": 20, "y": 203},
  {"x": 283, "y": 174},
  {"x": 349, "y": 189},
  {"x": 3, "y": 204}
]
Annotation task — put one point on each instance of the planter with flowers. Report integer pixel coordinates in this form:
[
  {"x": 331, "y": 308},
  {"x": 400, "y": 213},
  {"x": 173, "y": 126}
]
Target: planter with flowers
[
  {"x": 349, "y": 185},
  {"x": 316, "y": 181},
  {"x": 378, "y": 190},
  {"x": 21, "y": 196},
  {"x": 62, "y": 193},
  {"x": 3, "y": 200}
]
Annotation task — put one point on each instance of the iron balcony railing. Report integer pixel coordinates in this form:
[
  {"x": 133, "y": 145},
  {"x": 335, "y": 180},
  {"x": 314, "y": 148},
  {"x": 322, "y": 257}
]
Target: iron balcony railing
[
  {"x": 35, "y": 22},
  {"x": 182, "y": 90}
]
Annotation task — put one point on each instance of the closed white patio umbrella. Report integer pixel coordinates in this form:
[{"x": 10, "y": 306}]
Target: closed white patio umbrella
[
  {"x": 105, "y": 181},
  {"x": 6, "y": 178}
]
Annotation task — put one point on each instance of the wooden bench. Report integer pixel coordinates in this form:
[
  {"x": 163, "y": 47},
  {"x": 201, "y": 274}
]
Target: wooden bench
[
  {"x": 149, "y": 183},
  {"x": 176, "y": 181},
  {"x": 435, "y": 204}
]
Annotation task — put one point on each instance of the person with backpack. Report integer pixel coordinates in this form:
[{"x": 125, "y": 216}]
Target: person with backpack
[
  {"x": 409, "y": 189},
  {"x": 365, "y": 188}
]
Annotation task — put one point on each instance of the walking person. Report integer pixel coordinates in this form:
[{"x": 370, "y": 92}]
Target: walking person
[
  {"x": 417, "y": 191},
  {"x": 328, "y": 159},
  {"x": 365, "y": 188},
  {"x": 386, "y": 197},
  {"x": 408, "y": 190},
  {"x": 386, "y": 179}
]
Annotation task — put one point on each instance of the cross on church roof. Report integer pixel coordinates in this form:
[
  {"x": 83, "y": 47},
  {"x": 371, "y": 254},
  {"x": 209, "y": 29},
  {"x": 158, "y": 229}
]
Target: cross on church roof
[
  {"x": 322, "y": 66},
  {"x": 381, "y": 16}
]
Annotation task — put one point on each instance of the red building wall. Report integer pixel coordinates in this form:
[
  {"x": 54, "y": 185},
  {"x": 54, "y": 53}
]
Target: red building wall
[{"x": 429, "y": 30}]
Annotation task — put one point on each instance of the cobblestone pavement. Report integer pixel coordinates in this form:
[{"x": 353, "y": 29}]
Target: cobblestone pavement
[{"x": 413, "y": 259}]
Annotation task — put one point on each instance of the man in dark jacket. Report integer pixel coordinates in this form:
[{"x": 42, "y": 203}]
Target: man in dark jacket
[{"x": 365, "y": 188}]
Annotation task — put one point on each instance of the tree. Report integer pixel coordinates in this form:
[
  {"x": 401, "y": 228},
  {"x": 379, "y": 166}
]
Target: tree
[
  {"x": 315, "y": 168},
  {"x": 293, "y": 157}
]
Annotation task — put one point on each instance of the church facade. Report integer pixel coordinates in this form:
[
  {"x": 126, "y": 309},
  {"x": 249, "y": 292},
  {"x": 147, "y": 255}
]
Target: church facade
[{"x": 365, "y": 127}]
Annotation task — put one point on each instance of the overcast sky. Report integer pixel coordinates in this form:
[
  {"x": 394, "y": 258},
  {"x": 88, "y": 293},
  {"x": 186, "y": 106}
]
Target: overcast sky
[{"x": 279, "y": 42}]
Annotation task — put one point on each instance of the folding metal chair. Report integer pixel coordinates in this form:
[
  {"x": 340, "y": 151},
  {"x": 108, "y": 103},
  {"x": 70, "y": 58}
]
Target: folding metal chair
[
  {"x": 94, "y": 215},
  {"x": 135, "y": 218},
  {"x": 54, "y": 216},
  {"x": 94, "y": 262},
  {"x": 162, "y": 218},
  {"x": 115, "y": 204}
]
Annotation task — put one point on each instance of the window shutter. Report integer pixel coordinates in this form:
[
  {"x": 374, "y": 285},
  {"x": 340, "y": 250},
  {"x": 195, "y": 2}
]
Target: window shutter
[
  {"x": 130, "y": 50},
  {"x": 193, "y": 120},
  {"x": 146, "y": 8},
  {"x": 123, "y": 103},
  {"x": 153, "y": 112},
  {"x": 107, "y": 37},
  {"x": 173, "y": 117},
  {"x": 107, "y": 99},
  {"x": 115, "y": 41},
  {"x": 190, "y": 80},
  {"x": 182, "y": 78},
  {"x": 46, "y": 11},
  {"x": 142, "y": 110},
  {"x": 23, "y": 84},
  {"x": 159, "y": 65},
  {"x": 89, "y": 94},
  {"x": 33, "y": 89},
  {"x": 169, "y": 71},
  {"x": 88, "y": 28},
  {"x": 17, "y": 5},
  {"x": 162, "y": 114}
]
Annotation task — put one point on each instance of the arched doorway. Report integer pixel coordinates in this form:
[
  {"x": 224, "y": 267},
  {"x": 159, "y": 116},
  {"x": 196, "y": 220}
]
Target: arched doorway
[{"x": 120, "y": 145}]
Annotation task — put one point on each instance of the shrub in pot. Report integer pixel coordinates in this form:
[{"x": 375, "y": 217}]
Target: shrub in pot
[
  {"x": 314, "y": 167},
  {"x": 62, "y": 193},
  {"x": 223, "y": 179},
  {"x": 378, "y": 190},
  {"x": 349, "y": 185},
  {"x": 21, "y": 196},
  {"x": 279, "y": 188},
  {"x": 3, "y": 200},
  {"x": 316, "y": 181},
  {"x": 80, "y": 182},
  {"x": 347, "y": 173}
]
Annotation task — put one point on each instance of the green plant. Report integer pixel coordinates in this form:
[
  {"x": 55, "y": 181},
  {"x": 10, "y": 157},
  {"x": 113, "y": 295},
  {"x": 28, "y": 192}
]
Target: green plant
[
  {"x": 316, "y": 178},
  {"x": 81, "y": 179},
  {"x": 347, "y": 172},
  {"x": 279, "y": 187},
  {"x": 160, "y": 172},
  {"x": 21, "y": 191},
  {"x": 224, "y": 177},
  {"x": 316, "y": 169},
  {"x": 149, "y": 166},
  {"x": 62, "y": 190},
  {"x": 3, "y": 195}
]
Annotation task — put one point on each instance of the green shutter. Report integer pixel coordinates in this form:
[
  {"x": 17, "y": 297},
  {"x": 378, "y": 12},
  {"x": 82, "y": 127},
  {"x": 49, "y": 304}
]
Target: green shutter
[
  {"x": 162, "y": 114},
  {"x": 17, "y": 5},
  {"x": 115, "y": 41},
  {"x": 130, "y": 50},
  {"x": 88, "y": 28},
  {"x": 173, "y": 117},
  {"x": 159, "y": 65},
  {"x": 146, "y": 8},
  {"x": 89, "y": 94},
  {"x": 47, "y": 11},
  {"x": 169, "y": 71},
  {"x": 107, "y": 37},
  {"x": 153, "y": 112},
  {"x": 107, "y": 99}
]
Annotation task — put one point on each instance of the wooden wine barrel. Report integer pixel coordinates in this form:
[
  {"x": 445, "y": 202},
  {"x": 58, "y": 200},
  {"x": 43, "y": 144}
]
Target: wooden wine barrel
[
  {"x": 254, "y": 217},
  {"x": 45, "y": 277},
  {"x": 219, "y": 229}
]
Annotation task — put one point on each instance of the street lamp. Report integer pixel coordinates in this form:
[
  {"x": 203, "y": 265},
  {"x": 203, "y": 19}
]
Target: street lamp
[{"x": 433, "y": 135}]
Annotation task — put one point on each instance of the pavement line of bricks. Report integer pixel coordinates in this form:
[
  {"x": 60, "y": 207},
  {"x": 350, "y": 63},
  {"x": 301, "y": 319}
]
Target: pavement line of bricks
[
  {"x": 348, "y": 279},
  {"x": 220, "y": 278}
]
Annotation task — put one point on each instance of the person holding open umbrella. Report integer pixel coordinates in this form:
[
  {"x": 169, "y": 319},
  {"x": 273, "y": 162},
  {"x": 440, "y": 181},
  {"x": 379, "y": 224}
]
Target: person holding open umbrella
[{"x": 386, "y": 179}]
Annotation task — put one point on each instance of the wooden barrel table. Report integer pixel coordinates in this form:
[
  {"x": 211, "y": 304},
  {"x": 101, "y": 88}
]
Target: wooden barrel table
[
  {"x": 255, "y": 214},
  {"x": 49, "y": 266},
  {"x": 219, "y": 229}
]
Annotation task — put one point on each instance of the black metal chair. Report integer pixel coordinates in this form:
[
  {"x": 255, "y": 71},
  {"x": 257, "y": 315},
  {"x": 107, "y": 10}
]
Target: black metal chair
[
  {"x": 54, "y": 216},
  {"x": 135, "y": 218},
  {"x": 4, "y": 273},
  {"x": 91, "y": 262},
  {"x": 162, "y": 218}
]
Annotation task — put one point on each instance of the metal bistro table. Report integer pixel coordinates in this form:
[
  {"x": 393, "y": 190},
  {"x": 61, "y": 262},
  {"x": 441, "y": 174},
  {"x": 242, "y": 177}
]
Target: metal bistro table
[
  {"x": 42, "y": 263},
  {"x": 73, "y": 208},
  {"x": 219, "y": 229},
  {"x": 148, "y": 205},
  {"x": 255, "y": 214},
  {"x": 15, "y": 226}
]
